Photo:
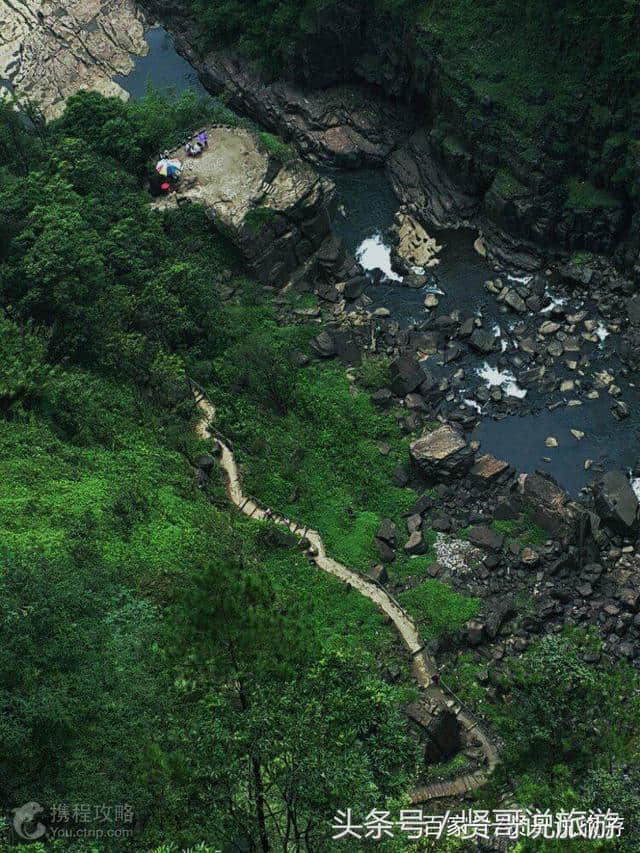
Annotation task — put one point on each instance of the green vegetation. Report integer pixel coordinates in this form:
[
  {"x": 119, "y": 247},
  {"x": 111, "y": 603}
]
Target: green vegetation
[
  {"x": 583, "y": 197},
  {"x": 158, "y": 649},
  {"x": 373, "y": 373},
  {"x": 524, "y": 531},
  {"x": 276, "y": 147},
  {"x": 258, "y": 217},
  {"x": 437, "y": 608},
  {"x": 554, "y": 713}
]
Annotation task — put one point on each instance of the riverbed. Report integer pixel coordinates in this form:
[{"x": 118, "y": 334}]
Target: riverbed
[{"x": 366, "y": 209}]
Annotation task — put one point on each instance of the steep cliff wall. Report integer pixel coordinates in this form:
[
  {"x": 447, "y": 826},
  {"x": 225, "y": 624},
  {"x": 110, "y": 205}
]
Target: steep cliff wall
[{"x": 516, "y": 123}]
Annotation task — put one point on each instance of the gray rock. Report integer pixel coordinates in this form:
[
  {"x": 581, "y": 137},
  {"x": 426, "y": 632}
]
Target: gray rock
[
  {"x": 406, "y": 375},
  {"x": 474, "y": 632},
  {"x": 615, "y": 501},
  {"x": 323, "y": 345},
  {"x": 204, "y": 462},
  {"x": 379, "y": 574},
  {"x": 415, "y": 544},
  {"x": 482, "y": 341},
  {"x": 485, "y": 537},
  {"x": 515, "y": 301},
  {"x": 487, "y": 468},
  {"x": 385, "y": 551},
  {"x": 442, "y": 454},
  {"x": 552, "y": 509},
  {"x": 382, "y": 398},
  {"x": 414, "y": 522},
  {"x": 387, "y": 531}
]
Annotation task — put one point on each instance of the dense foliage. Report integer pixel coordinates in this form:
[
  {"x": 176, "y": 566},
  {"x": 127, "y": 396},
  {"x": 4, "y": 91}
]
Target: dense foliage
[
  {"x": 544, "y": 89},
  {"x": 157, "y": 650}
]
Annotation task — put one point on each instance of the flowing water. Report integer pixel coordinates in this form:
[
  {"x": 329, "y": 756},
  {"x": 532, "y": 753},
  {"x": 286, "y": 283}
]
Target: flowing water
[{"x": 367, "y": 206}]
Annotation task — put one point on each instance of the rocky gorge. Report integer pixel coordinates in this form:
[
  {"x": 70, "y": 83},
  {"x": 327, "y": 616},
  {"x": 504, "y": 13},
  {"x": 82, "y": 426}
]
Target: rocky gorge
[
  {"x": 453, "y": 365},
  {"x": 373, "y": 91}
]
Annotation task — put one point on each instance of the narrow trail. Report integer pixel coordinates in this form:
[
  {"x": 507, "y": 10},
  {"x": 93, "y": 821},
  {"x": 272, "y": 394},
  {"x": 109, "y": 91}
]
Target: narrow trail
[{"x": 423, "y": 665}]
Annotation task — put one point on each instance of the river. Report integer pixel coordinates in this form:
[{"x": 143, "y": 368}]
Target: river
[{"x": 368, "y": 206}]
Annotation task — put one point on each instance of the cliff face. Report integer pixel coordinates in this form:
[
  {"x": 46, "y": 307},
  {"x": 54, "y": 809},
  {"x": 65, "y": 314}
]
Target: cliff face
[
  {"x": 48, "y": 53},
  {"x": 276, "y": 213},
  {"x": 552, "y": 169}
]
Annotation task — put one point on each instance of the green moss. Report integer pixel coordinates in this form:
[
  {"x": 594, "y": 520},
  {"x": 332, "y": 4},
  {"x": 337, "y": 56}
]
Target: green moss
[
  {"x": 524, "y": 531},
  {"x": 579, "y": 259},
  {"x": 506, "y": 186},
  {"x": 438, "y": 608},
  {"x": 259, "y": 217},
  {"x": 276, "y": 147},
  {"x": 373, "y": 373}
]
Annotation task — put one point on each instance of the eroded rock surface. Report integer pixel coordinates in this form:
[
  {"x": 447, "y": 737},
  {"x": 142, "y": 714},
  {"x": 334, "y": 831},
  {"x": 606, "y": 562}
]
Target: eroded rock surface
[
  {"x": 346, "y": 125},
  {"x": 49, "y": 52},
  {"x": 276, "y": 213}
]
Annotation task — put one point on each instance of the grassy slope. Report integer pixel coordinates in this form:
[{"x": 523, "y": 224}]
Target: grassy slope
[{"x": 320, "y": 461}]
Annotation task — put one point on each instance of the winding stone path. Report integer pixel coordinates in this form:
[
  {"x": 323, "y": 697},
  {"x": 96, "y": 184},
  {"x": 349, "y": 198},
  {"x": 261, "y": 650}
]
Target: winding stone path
[{"x": 423, "y": 665}]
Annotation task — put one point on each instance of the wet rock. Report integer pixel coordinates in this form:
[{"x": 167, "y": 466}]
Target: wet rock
[
  {"x": 431, "y": 300},
  {"x": 633, "y": 309},
  {"x": 616, "y": 502},
  {"x": 406, "y": 375},
  {"x": 515, "y": 301},
  {"x": 354, "y": 287},
  {"x": 620, "y": 410},
  {"x": 482, "y": 341},
  {"x": 413, "y": 247},
  {"x": 552, "y": 509},
  {"x": 442, "y": 454}
]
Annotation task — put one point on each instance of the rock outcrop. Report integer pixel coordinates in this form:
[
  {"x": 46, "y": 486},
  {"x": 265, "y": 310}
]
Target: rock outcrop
[
  {"x": 49, "y": 52},
  {"x": 442, "y": 454},
  {"x": 616, "y": 502},
  {"x": 552, "y": 509},
  {"x": 277, "y": 213}
]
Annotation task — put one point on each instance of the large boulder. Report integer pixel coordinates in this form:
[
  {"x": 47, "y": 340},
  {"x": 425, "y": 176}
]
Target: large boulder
[
  {"x": 406, "y": 375},
  {"x": 484, "y": 537},
  {"x": 551, "y": 508},
  {"x": 442, "y": 454},
  {"x": 616, "y": 502}
]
